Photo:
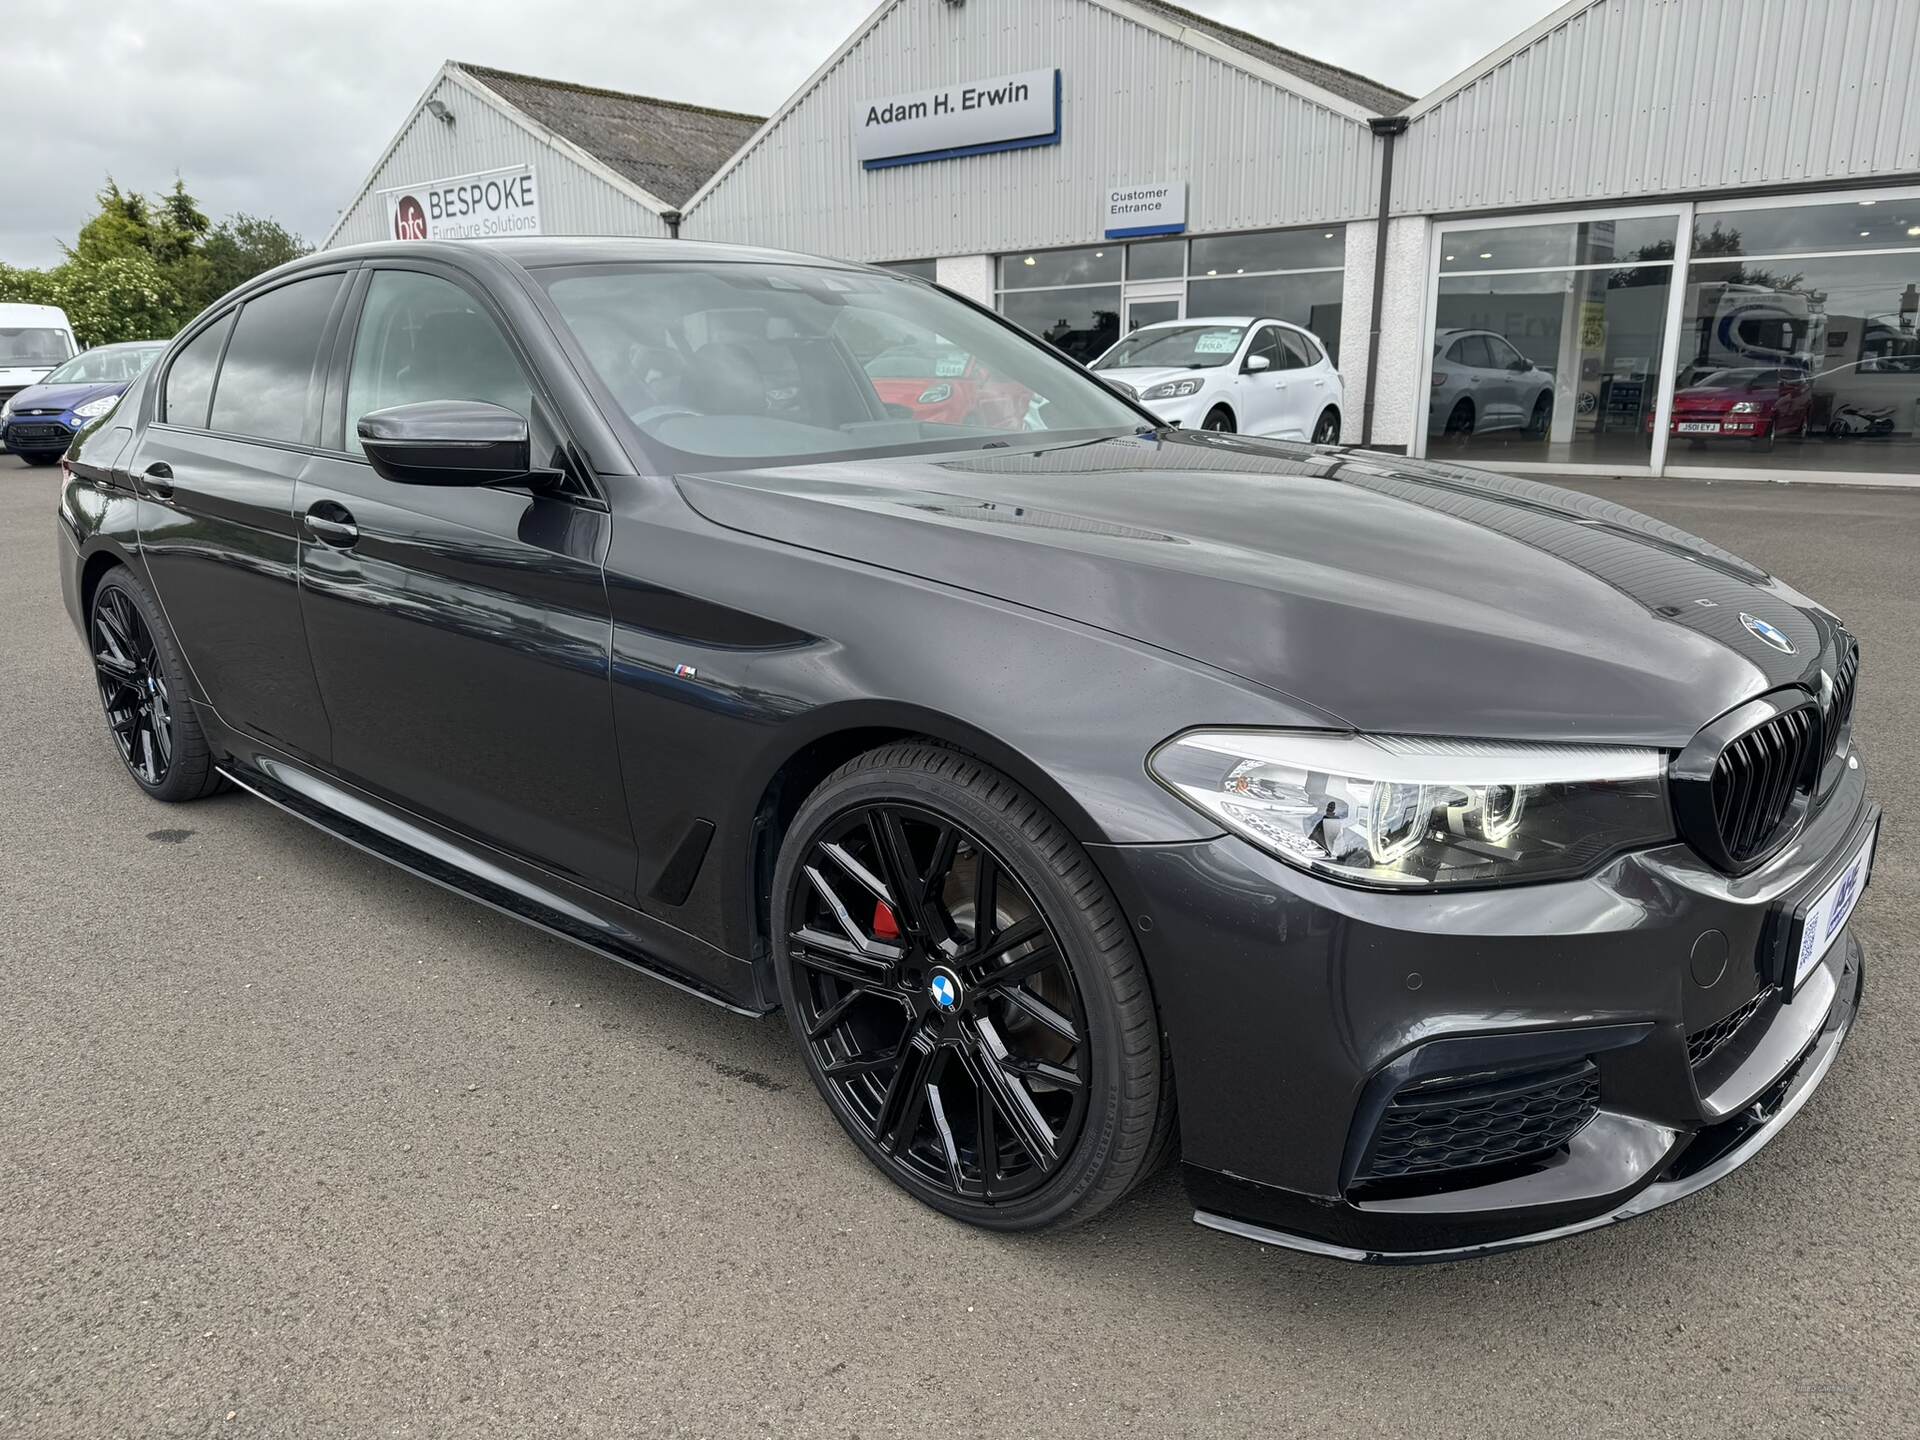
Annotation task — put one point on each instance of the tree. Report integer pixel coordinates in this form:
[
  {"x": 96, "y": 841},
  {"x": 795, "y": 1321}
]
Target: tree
[
  {"x": 239, "y": 248},
  {"x": 123, "y": 297},
  {"x": 141, "y": 267},
  {"x": 1716, "y": 244}
]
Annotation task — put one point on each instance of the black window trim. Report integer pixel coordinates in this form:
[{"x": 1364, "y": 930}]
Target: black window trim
[{"x": 231, "y": 315}]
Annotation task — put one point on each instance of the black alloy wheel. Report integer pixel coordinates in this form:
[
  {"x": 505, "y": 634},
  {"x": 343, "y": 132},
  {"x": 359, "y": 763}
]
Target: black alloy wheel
[
  {"x": 1540, "y": 424},
  {"x": 1326, "y": 430},
  {"x": 1218, "y": 419},
  {"x": 940, "y": 1005},
  {"x": 143, "y": 691},
  {"x": 133, "y": 690}
]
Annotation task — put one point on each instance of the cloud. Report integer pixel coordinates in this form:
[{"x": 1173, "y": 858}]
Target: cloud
[{"x": 280, "y": 107}]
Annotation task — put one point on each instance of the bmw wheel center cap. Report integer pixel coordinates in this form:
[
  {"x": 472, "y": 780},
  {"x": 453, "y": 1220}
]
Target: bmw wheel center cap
[{"x": 944, "y": 986}]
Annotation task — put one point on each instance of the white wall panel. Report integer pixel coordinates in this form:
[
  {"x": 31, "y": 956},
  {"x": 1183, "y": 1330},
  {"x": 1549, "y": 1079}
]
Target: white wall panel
[
  {"x": 573, "y": 199},
  {"x": 1631, "y": 98},
  {"x": 1137, "y": 106}
]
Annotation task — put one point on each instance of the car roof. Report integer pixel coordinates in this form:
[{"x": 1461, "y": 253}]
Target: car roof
[
  {"x": 531, "y": 251},
  {"x": 127, "y": 345},
  {"x": 22, "y": 310}
]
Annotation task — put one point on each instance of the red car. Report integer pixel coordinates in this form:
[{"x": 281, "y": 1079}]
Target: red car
[
  {"x": 1757, "y": 405},
  {"x": 948, "y": 387}
]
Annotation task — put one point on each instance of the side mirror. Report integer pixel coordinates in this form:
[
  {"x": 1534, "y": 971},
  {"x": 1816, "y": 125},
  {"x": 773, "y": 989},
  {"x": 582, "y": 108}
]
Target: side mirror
[
  {"x": 1257, "y": 363},
  {"x": 1520, "y": 366},
  {"x": 447, "y": 442}
]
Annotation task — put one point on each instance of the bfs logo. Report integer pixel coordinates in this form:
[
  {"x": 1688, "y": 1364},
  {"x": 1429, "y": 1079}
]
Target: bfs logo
[{"x": 409, "y": 220}]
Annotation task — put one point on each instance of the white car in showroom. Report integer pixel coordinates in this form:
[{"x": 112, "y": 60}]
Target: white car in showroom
[{"x": 1231, "y": 372}]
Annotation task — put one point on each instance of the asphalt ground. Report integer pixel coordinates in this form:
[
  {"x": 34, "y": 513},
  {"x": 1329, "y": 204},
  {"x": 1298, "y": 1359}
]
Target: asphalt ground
[{"x": 294, "y": 1144}]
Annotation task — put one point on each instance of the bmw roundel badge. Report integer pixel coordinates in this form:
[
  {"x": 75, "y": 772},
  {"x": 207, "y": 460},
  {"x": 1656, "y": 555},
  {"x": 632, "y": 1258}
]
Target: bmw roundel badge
[
  {"x": 945, "y": 993},
  {"x": 1767, "y": 634}
]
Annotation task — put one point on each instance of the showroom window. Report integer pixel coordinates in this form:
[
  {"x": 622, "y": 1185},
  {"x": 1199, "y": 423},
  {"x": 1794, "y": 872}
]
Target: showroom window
[
  {"x": 1082, "y": 299},
  {"x": 1547, "y": 339},
  {"x": 1068, "y": 297},
  {"x": 1798, "y": 347}
]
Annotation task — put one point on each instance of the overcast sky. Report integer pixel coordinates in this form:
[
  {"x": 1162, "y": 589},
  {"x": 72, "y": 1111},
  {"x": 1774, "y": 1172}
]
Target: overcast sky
[{"x": 280, "y": 107}]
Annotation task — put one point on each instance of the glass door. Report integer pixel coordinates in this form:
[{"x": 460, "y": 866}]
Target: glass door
[{"x": 1151, "y": 304}]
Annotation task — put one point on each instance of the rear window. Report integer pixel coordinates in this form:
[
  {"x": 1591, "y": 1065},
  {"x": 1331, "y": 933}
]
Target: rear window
[
  {"x": 190, "y": 377},
  {"x": 268, "y": 372}
]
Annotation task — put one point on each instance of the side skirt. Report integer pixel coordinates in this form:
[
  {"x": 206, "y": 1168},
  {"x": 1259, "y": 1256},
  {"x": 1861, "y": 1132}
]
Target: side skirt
[{"x": 627, "y": 937}]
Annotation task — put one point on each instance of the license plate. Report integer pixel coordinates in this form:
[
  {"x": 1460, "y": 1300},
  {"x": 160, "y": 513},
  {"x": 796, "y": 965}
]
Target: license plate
[
  {"x": 1827, "y": 916},
  {"x": 1698, "y": 427}
]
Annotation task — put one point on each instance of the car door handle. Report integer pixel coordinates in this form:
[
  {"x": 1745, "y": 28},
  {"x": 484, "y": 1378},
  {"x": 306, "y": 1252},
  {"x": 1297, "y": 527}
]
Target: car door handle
[
  {"x": 331, "y": 524},
  {"x": 157, "y": 480}
]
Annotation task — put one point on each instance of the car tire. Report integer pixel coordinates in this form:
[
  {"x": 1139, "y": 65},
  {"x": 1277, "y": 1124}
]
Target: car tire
[
  {"x": 1326, "y": 430},
  {"x": 872, "y": 986},
  {"x": 1460, "y": 422},
  {"x": 32, "y": 459},
  {"x": 1540, "y": 423},
  {"x": 1220, "y": 419},
  {"x": 143, "y": 687}
]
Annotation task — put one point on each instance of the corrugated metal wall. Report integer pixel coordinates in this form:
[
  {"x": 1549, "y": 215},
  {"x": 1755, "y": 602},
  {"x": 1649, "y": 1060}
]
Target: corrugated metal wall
[
  {"x": 573, "y": 200},
  {"x": 1630, "y": 98},
  {"x": 1136, "y": 106}
]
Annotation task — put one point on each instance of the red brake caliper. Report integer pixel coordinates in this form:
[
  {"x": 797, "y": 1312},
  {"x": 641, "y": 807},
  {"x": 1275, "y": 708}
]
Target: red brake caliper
[{"x": 885, "y": 927}]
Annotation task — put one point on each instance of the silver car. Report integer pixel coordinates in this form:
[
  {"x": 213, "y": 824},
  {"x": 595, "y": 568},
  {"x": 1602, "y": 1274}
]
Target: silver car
[{"x": 1481, "y": 383}]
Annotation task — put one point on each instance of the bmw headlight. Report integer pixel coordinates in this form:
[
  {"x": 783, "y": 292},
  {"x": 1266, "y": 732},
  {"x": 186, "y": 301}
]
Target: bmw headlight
[
  {"x": 94, "y": 409},
  {"x": 1170, "y": 389},
  {"x": 1407, "y": 811}
]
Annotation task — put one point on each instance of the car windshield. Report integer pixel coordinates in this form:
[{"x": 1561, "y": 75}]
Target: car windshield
[
  {"x": 114, "y": 365},
  {"x": 1737, "y": 380},
  {"x": 1190, "y": 347},
  {"x": 745, "y": 363},
  {"x": 33, "y": 346}
]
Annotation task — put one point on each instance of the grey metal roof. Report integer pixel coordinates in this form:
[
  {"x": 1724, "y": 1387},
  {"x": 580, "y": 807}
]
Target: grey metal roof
[
  {"x": 667, "y": 148},
  {"x": 1381, "y": 99}
]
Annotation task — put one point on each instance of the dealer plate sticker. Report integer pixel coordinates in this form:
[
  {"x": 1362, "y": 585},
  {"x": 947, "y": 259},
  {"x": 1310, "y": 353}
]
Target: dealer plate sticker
[
  {"x": 1698, "y": 427},
  {"x": 1829, "y": 914}
]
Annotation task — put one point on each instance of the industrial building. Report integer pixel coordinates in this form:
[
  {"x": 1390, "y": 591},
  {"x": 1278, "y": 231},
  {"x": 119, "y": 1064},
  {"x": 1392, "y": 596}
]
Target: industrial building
[{"x": 1644, "y": 237}]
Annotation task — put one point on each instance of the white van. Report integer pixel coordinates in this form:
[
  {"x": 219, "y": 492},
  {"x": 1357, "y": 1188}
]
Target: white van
[{"x": 33, "y": 339}]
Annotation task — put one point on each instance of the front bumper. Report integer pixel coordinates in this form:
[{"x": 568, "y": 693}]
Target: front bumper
[
  {"x": 36, "y": 436},
  {"x": 1296, "y": 1010}
]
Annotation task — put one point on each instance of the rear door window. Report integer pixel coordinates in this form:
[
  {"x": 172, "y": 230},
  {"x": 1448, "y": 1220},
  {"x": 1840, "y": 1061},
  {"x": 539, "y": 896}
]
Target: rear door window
[
  {"x": 424, "y": 338},
  {"x": 190, "y": 376},
  {"x": 268, "y": 374},
  {"x": 1474, "y": 351},
  {"x": 1299, "y": 353}
]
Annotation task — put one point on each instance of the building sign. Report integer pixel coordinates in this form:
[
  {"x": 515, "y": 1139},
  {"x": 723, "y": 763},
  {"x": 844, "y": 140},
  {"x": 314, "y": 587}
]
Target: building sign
[
  {"x": 467, "y": 207},
  {"x": 1007, "y": 112},
  {"x": 1146, "y": 210}
]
